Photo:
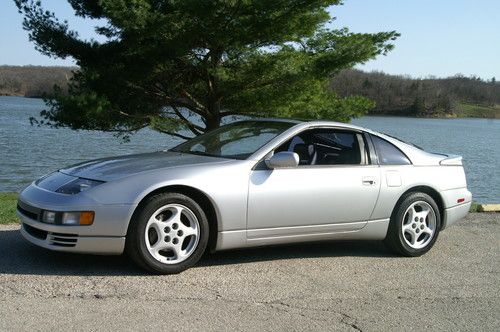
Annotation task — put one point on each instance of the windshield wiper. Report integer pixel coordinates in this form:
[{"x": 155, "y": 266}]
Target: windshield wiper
[{"x": 198, "y": 153}]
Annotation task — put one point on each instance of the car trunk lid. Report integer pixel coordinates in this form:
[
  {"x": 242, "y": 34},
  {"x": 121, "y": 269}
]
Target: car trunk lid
[{"x": 451, "y": 160}]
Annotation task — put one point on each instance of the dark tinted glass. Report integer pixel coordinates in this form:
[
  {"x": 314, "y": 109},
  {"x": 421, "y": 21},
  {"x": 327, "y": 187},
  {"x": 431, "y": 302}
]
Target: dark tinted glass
[
  {"x": 388, "y": 154},
  {"x": 325, "y": 147}
]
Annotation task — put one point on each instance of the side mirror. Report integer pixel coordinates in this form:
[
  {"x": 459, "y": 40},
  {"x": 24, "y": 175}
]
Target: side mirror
[{"x": 284, "y": 159}]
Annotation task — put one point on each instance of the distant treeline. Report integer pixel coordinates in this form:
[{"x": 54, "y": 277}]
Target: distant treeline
[
  {"x": 33, "y": 81},
  {"x": 401, "y": 95},
  {"x": 395, "y": 95}
]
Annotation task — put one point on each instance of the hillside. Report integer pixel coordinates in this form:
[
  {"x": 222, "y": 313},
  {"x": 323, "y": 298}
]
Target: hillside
[
  {"x": 32, "y": 81},
  {"x": 430, "y": 97},
  {"x": 456, "y": 96}
]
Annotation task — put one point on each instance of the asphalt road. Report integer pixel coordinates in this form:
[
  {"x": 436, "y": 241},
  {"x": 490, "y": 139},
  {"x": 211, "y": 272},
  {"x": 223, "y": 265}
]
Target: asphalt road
[{"x": 327, "y": 286}]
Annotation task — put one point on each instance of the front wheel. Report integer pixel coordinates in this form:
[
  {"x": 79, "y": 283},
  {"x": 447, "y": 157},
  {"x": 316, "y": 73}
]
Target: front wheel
[
  {"x": 414, "y": 225},
  {"x": 168, "y": 235}
]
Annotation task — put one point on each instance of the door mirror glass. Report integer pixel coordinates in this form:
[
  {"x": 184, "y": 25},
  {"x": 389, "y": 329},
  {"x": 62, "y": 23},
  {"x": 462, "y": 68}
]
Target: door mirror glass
[{"x": 284, "y": 159}]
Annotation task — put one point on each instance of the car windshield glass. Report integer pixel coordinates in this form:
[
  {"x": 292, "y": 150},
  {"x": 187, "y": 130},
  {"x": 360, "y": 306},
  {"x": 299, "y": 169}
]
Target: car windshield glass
[{"x": 237, "y": 140}]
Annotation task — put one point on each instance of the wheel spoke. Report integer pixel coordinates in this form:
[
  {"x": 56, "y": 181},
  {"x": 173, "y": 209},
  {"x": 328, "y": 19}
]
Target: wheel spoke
[
  {"x": 427, "y": 230},
  {"x": 407, "y": 227},
  {"x": 176, "y": 214},
  {"x": 157, "y": 225},
  {"x": 154, "y": 222},
  {"x": 425, "y": 212},
  {"x": 413, "y": 236},
  {"x": 412, "y": 214},
  {"x": 179, "y": 253},
  {"x": 188, "y": 231},
  {"x": 159, "y": 245}
]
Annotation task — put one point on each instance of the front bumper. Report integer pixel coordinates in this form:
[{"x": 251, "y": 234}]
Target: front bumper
[
  {"x": 105, "y": 236},
  {"x": 39, "y": 234}
]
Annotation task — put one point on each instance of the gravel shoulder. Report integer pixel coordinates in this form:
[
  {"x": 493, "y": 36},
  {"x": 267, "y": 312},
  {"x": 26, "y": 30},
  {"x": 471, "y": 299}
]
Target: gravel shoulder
[{"x": 323, "y": 286}]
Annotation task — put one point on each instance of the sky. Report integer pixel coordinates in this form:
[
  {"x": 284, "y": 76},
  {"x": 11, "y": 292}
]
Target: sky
[{"x": 438, "y": 37}]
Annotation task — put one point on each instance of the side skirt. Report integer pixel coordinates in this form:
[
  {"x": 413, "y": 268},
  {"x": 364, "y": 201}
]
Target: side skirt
[{"x": 372, "y": 230}]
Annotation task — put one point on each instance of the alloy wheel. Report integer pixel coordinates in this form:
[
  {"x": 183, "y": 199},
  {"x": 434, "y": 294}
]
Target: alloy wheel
[
  {"x": 419, "y": 224},
  {"x": 172, "y": 233}
]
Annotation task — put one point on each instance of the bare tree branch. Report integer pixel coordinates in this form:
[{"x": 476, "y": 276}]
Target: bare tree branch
[
  {"x": 197, "y": 130},
  {"x": 173, "y": 134},
  {"x": 195, "y": 101}
]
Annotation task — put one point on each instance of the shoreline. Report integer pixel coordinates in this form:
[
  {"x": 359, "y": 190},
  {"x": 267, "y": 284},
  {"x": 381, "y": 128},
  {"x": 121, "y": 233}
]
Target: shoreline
[
  {"x": 24, "y": 96},
  {"x": 444, "y": 117},
  {"x": 378, "y": 114}
]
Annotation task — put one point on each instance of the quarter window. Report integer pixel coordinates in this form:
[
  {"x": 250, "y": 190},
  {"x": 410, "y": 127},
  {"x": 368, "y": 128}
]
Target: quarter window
[{"x": 388, "y": 154}]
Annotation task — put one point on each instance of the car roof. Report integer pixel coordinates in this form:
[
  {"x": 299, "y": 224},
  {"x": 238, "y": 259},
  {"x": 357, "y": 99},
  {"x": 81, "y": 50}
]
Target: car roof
[
  {"x": 311, "y": 123},
  {"x": 287, "y": 120}
]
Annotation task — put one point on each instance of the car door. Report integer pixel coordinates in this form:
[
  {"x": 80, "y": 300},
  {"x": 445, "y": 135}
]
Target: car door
[{"x": 333, "y": 189}]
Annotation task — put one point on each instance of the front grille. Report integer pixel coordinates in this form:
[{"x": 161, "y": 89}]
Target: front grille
[
  {"x": 35, "y": 232},
  {"x": 63, "y": 240},
  {"x": 55, "y": 239},
  {"x": 28, "y": 210}
]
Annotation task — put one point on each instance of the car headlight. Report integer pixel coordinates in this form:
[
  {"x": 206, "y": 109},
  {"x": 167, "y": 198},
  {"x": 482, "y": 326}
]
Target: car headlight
[
  {"x": 49, "y": 217},
  {"x": 68, "y": 218},
  {"x": 77, "y": 186}
]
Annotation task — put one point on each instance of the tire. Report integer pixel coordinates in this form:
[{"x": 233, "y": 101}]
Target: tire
[
  {"x": 168, "y": 234},
  {"x": 414, "y": 225}
]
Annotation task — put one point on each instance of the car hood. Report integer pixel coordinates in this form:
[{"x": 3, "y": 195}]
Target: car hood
[{"x": 108, "y": 169}]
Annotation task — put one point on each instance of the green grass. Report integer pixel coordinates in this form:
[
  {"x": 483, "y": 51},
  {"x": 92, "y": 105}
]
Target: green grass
[
  {"x": 474, "y": 207},
  {"x": 478, "y": 111},
  {"x": 8, "y": 203}
]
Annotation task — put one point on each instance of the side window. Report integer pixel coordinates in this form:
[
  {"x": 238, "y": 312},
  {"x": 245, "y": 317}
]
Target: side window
[
  {"x": 388, "y": 154},
  {"x": 327, "y": 147}
]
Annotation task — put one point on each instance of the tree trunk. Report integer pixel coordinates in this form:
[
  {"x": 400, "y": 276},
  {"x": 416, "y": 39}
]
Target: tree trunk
[
  {"x": 213, "y": 123},
  {"x": 214, "y": 118}
]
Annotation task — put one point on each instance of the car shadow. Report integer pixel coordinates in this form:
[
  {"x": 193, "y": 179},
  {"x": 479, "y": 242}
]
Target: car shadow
[
  {"x": 17, "y": 256},
  {"x": 298, "y": 251}
]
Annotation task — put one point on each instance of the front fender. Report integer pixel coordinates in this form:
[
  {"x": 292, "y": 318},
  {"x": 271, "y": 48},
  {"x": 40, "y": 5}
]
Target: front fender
[{"x": 226, "y": 185}]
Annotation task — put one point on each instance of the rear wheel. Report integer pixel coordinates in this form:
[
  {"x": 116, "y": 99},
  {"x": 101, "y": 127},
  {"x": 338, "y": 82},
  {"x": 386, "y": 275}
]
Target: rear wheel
[
  {"x": 414, "y": 225},
  {"x": 168, "y": 235}
]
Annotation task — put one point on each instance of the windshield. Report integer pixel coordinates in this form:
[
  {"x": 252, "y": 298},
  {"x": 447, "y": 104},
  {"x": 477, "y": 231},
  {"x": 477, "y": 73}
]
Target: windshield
[{"x": 237, "y": 140}]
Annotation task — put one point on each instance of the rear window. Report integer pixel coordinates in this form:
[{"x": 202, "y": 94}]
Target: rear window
[{"x": 388, "y": 154}]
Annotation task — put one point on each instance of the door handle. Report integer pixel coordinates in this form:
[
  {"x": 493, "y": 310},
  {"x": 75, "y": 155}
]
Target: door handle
[{"x": 368, "y": 181}]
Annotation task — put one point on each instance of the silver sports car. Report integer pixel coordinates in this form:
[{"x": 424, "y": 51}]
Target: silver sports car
[{"x": 249, "y": 183}]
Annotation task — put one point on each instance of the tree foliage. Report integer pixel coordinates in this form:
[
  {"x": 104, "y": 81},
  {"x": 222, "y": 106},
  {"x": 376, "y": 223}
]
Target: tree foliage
[
  {"x": 401, "y": 95},
  {"x": 185, "y": 65}
]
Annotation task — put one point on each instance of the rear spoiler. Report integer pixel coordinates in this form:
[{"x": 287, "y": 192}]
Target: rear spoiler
[{"x": 451, "y": 160}]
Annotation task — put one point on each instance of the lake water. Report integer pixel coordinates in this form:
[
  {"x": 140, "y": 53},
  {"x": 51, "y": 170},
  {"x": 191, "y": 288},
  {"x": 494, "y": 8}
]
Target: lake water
[{"x": 27, "y": 152}]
